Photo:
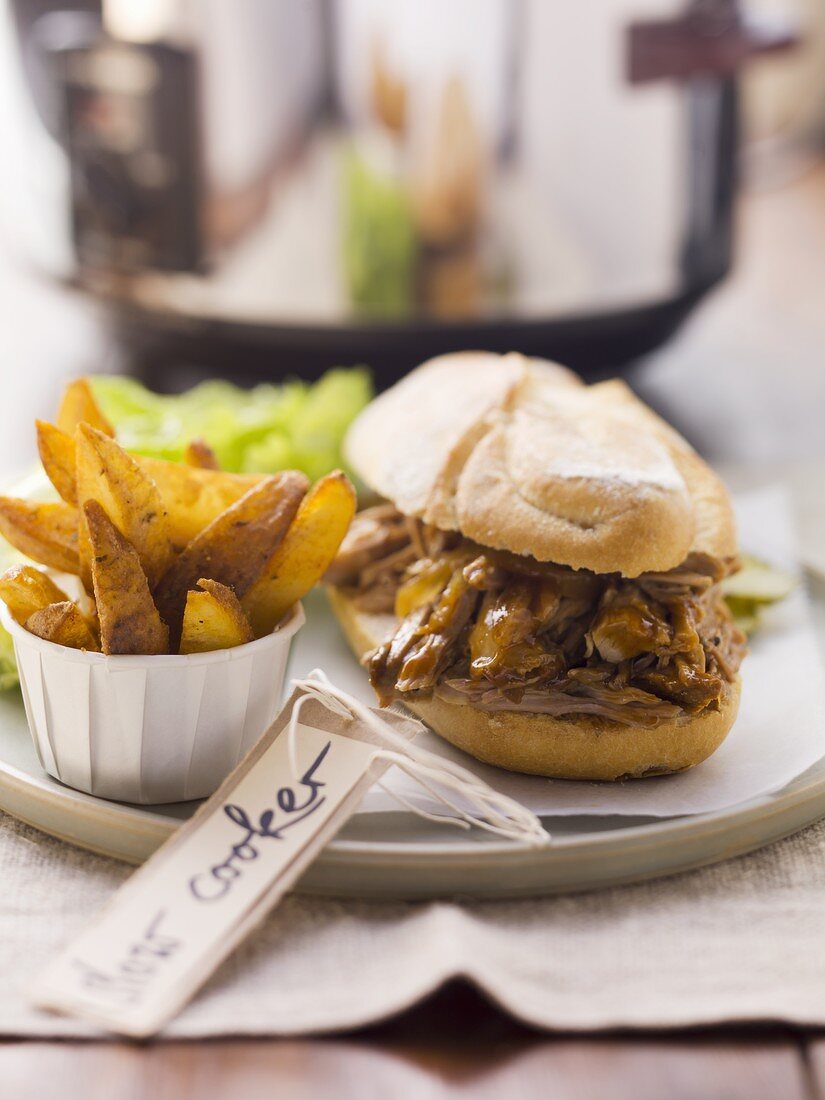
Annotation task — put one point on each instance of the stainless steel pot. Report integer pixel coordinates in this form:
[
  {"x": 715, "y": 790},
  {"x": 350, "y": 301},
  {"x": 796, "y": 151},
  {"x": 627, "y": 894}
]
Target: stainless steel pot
[{"x": 371, "y": 179}]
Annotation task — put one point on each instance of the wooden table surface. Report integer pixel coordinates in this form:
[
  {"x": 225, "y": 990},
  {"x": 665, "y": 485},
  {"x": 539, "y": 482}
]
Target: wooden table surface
[
  {"x": 767, "y": 323},
  {"x": 454, "y": 1045}
]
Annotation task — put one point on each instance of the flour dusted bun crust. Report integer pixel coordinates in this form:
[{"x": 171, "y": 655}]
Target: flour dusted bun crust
[
  {"x": 563, "y": 748},
  {"x": 518, "y": 455}
]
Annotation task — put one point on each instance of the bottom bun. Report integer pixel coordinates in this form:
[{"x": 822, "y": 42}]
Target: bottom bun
[{"x": 558, "y": 748}]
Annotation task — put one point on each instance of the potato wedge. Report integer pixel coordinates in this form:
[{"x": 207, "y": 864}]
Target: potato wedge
[
  {"x": 45, "y": 532},
  {"x": 198, "y": 453},
  {"x": 57, "y": 453},
  {"x": 192, "y": 496},
  {"x": 26, "y": 589},
  {"x": 79, "y": 406},
  {"x": 130, "y": 498},
  {"x": 64, "y": 624},
  {"x": 234, "y": 548},
  {"x": 213, "y": 619},
  {"x": 129, "y": 620},
  {"x": 305, "y": 553}
]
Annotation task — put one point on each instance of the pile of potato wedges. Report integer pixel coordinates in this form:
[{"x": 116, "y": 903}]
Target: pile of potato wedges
[{"x": 173, "y": 557}]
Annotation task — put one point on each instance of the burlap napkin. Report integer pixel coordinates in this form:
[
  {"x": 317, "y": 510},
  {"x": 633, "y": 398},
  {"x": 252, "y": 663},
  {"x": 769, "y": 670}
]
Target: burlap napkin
[{"x": 739, "y": 941}]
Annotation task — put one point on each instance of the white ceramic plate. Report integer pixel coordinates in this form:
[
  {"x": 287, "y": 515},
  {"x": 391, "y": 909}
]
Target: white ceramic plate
[{"x": 397, "y": 854}]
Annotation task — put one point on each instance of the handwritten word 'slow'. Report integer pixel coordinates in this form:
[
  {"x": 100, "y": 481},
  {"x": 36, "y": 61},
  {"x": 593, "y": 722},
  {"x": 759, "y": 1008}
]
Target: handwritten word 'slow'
[{"x": 125, "y": 982}]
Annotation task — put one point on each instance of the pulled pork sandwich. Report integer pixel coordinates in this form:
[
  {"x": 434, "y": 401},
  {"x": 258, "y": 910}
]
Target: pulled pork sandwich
[{"x": 542, "y": 585}]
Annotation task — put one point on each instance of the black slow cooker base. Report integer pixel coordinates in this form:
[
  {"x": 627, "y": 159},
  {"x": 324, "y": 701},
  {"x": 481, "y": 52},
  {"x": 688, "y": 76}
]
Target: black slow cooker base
[{"x": 170, "y": 353}]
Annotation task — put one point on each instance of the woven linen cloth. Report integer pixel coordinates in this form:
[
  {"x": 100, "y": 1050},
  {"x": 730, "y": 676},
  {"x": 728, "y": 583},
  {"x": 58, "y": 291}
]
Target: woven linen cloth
[{"x": 739, "y": 941}]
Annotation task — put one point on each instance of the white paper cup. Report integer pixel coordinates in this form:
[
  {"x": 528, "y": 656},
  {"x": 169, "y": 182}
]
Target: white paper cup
[{"x": 149, "y": 729}]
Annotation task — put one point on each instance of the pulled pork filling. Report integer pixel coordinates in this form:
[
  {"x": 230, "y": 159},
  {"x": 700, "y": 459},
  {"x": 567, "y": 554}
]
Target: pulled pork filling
[{"x": 506, "y": 632}]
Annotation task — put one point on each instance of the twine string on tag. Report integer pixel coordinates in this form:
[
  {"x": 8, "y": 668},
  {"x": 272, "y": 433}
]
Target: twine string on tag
[{"x": 490, "y": 810}]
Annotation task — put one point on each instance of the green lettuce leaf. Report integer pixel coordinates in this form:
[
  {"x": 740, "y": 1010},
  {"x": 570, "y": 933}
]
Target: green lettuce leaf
[
  {"x": 294, "y": 424},
  {"x": 8, "y": 665},
  {"x": 379, "y": 244}
]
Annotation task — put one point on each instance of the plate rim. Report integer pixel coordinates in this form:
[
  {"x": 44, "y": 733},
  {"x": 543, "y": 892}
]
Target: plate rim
[{"x": 802, "y": 790}]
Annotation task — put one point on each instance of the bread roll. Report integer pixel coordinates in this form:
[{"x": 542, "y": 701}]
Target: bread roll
[{"x": 518, "y": 455}]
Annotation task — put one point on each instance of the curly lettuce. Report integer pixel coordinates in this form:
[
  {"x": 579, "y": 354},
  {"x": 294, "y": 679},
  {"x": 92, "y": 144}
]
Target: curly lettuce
[
  {"x": 8, "y": 666},
  {"x": 379, "y": 245},
  {"x": 294, "y": 424}
]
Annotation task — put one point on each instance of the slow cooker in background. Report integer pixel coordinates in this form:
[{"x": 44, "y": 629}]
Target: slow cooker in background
[{"x": 265, "y": 187}]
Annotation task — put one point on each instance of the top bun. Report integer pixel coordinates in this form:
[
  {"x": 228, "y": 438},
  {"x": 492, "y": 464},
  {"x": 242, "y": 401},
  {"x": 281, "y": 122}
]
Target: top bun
[{"x": 518, "y": 454}]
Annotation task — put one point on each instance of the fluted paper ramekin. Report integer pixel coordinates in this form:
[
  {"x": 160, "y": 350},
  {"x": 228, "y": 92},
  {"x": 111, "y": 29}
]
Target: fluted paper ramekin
[{"x": 149, "y": 729}]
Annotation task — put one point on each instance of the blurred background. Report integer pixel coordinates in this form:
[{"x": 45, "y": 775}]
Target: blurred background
[{"x": 261, "y": 189}]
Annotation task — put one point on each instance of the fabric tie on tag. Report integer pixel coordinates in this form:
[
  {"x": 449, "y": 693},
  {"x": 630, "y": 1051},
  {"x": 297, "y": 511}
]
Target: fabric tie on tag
[
  {"x": 178, "y": 917},
  {"x": 489, "y": 810}
]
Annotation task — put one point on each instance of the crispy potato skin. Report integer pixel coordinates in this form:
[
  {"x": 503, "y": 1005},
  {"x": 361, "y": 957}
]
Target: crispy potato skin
[
  {"x": 79, "y": 406},
  {"x": 213, "y": 619},
  {"x": 129, "y": 620},
  {"x": 106, "y": 473},
  {"x": 64, "y": 624},
  {"x": 25, "y": 590},
  {"x": 45, "y": 532},
  {"x": 192, "y": 495},
  {"x": 199, "y": 454},
  {"x": 305, "y": 554},
  {"x": 57, "y": 453},
  {"x": 235, "y": 548}
]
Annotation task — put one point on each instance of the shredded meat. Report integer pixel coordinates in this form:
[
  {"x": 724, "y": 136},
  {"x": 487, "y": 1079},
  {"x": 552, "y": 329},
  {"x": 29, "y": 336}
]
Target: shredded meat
[{"x": 507, "y": 632}]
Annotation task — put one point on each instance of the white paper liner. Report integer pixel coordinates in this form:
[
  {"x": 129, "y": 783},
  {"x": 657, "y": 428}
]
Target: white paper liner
[
  {"x": 149, "y": 729},
  {"x": 780, "y": 731}
]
